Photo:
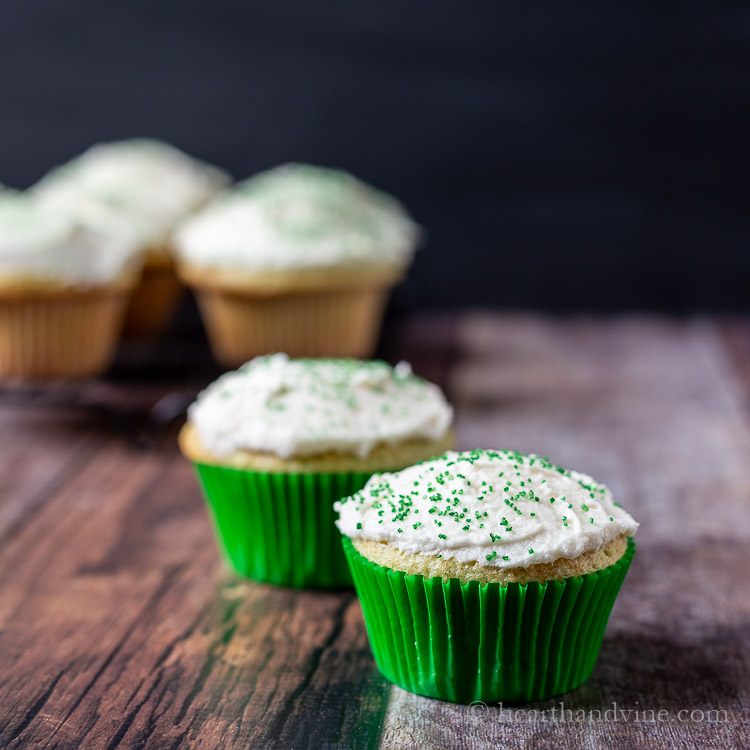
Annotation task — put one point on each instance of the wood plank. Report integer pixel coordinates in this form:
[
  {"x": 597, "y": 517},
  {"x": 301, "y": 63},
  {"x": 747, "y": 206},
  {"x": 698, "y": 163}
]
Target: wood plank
[
  {"x": 121, "y": 629},
  {"x": 36, "y": 461},
  {"x": 650, "y": 407}
]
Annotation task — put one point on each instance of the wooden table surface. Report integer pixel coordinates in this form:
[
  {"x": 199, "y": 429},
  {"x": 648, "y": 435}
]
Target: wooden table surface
[{"x": 120, "y": 628}]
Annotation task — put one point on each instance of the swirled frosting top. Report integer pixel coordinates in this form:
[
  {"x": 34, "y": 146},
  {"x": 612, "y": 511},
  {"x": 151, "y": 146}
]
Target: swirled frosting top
[
  {"x": 146, "y": 184},
  {"x": 299, "y": 216},
  {"x": 305, "y": 407},
  {"x": 498, "y": 508},
  {"x": 40, "y": 243}
]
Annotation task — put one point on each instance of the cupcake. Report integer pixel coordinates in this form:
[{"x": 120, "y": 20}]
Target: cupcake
[
  {"x": 278, "y": 441},
  {"x": 486, "y": 575},
  {"x": 63, "y": 290},
  {"x": 298, "y": 259},
  {"x": 143, "y": 187}
]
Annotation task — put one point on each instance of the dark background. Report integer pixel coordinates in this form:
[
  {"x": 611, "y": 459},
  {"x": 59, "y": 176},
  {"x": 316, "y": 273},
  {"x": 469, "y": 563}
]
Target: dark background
[{"x": 569, "y": 156}]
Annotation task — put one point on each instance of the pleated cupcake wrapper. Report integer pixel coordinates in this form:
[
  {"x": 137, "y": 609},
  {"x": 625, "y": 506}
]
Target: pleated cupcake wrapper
[
  {"x": 68, "y": 335},
  {"x": 279, "y": 528},
  {"x": 331, "y": 323},
  {"x": 466, "y": 642},
  {"x": 154, "y": 301}
]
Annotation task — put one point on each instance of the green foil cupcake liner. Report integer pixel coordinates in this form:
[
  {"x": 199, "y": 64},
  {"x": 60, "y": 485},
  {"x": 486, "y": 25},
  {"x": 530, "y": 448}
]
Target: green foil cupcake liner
[
  {"x": 466, "y": 642},
  {"x": 279, "y": 528}
]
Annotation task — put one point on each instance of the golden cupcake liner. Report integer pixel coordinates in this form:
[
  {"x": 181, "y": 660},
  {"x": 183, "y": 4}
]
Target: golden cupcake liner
[
  {"x": 154, "y": 300},
  {"x": 63, "y": 333},
  {"x": 336, "y": 322}
]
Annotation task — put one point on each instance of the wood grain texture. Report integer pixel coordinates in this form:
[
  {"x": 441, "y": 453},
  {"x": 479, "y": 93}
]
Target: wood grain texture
[{"x": 120, "y": 628}]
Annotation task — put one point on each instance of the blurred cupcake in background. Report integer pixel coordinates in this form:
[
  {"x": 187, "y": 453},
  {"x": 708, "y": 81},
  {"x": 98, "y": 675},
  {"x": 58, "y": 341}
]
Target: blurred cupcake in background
[
  {"x": 142, "y": 188},
  {"x": 64, "y": 286},
  {"x": 277, "y": 442},
  {"x": 298, "y": 259}
]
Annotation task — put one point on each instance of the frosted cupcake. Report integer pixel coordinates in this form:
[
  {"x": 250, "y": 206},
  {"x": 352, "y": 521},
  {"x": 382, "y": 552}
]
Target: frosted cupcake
[
  {"x": 278, "y": 441},
  {"x": 63, "y": 291},
  {"x": 486, "y": 575},
  {"x": 142, "y": 188},
  {"x": 297, "y": 259}
]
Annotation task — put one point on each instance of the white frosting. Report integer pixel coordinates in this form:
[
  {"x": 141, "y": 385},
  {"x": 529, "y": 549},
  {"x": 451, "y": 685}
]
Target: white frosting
[
  {"x": 499, "y": 508},
  {"x": 41, "y": 243},
  {"x": 145, "y": 185},
  {"x": 305, "y": 407},
  {"x": 100, "y": 216},
  {"x": 299, "y": 216}
]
